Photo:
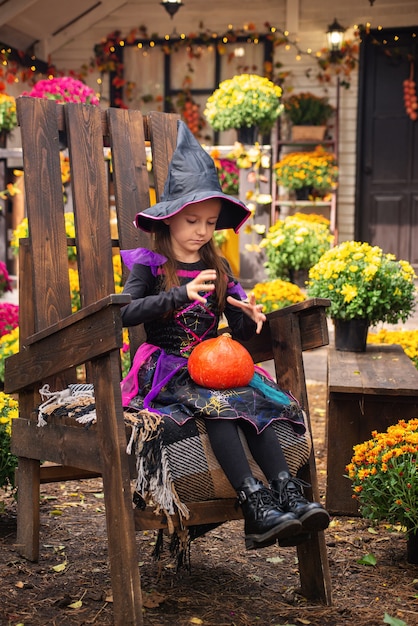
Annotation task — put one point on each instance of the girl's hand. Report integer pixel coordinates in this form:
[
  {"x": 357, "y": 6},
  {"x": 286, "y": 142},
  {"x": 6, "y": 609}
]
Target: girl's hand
[
  {"x": 253, "y": 310},
  {"x": 203, "y": 283}
]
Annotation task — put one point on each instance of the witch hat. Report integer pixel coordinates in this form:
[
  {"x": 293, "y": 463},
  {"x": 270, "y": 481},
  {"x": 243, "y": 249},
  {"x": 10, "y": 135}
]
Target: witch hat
[{"x": 192, "y": 177}]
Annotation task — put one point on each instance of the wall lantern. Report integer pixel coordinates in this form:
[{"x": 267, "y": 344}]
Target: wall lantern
[
  {"x": 335, "y": 36},
  {"x": 171, "y": 6}
]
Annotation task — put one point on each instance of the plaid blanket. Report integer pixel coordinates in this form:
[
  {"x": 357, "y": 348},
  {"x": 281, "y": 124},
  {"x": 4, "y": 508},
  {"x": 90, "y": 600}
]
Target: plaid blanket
[{"x": 175, "y": 464}]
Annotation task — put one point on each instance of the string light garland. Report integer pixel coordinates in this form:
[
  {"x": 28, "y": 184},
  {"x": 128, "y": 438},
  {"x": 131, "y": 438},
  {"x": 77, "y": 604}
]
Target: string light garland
[
  {"x": 108, "y": 57},
  {"x": 15, "y": 66}
]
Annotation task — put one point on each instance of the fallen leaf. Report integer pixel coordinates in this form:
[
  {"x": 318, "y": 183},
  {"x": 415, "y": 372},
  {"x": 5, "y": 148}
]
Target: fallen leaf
[
  {"x": 393, "y": 621},
  {"x": 20, "y": 585},
  {"x": 367, "y": 559},
  {"x": 196, "y": 620},
  {"x": 256, "y": 578},
  {"x": 56, "y": 512},
  {"x": 58, "y": 548},
  {"x": 275, "y": 559},
  {"x": 153, "y": 599},
  {"x": 75, "y": 605},
  {"x": 60, "y": 568}
]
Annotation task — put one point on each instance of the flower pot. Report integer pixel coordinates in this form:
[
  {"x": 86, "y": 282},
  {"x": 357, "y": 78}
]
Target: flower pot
[
  {"x": 303, "y": 193},
  {"x": 299, "y": 277},
  {"x": 247, "y": 134},
  {"x": 3, "y": 138},
  {"x": 351, "y": 335},
  {"x": 308, "y": 133}
]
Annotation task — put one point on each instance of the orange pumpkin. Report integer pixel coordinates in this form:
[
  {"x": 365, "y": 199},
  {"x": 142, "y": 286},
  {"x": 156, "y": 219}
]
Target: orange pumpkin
[{"x": 221, "y": 363}]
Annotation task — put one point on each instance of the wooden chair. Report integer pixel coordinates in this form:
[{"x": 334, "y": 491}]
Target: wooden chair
[{"x": 54, "y": 342}]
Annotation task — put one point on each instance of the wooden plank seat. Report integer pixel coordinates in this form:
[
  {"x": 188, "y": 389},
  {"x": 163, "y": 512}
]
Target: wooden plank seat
[{"x": 54, "y": 341}]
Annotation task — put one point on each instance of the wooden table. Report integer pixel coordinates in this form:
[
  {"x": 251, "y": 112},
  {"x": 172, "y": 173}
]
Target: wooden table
[{"x": 366, "y": 391}]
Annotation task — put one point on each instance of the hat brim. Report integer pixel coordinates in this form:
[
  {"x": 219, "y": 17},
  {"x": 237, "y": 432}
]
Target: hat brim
[{"x": 232, "y": 215}]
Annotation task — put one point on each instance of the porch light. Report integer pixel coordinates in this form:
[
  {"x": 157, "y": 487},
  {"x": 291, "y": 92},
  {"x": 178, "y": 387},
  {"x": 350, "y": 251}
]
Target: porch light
[
  {"x": 171, "y": 6},
  {"x": 335, "y": 36}
]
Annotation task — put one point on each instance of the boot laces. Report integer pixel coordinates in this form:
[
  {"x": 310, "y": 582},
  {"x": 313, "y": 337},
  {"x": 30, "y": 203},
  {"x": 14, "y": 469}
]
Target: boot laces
[
  {"x": 291, "y": 491},
  {"x": 263, "y": 497}
]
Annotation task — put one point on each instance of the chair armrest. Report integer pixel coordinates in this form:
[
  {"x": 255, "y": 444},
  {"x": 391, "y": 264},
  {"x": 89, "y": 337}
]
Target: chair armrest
[
  {"x": 310, "y": 315},
  {"x": 113, "y": 298},
  {"x": 301, "y": 307},
  {"x": 87, "y": 334}
]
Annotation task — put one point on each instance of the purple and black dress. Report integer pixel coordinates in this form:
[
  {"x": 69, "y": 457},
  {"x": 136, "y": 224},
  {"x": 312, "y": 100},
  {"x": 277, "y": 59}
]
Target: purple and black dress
[{"x": 159, "y": 379}]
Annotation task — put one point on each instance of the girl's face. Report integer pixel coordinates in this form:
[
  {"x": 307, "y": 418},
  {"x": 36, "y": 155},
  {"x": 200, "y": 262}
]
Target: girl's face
[{"x": 192, "y": 227}]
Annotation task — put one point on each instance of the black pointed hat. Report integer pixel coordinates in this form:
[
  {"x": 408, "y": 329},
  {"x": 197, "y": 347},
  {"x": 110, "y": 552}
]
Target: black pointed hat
[{"x": 192, "y": 177}]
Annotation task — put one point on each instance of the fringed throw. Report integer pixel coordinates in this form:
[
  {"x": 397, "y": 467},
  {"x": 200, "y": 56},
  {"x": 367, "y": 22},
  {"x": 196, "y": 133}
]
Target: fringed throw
[{"x": 175, "y": 464}]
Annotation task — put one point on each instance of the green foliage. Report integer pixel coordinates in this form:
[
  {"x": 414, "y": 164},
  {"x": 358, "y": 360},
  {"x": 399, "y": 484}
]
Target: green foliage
[
  {"x": 317, "y": 169},
  {"x": 295, "y": 243},
  {"x": 244, "y": 100},
  {"x": 364, "y": 283},
  {"x": 306, "y": 109},
  {"x": 8, "y": 119},
  {"x": 8, "y": 462},
  {"x": 276, "y": 294},
  {"x": 384, "y": 475}
]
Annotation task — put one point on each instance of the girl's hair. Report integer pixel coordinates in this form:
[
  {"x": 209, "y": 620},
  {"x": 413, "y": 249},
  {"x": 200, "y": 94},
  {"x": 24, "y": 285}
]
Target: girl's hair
[{"x": 209, "y": 254}]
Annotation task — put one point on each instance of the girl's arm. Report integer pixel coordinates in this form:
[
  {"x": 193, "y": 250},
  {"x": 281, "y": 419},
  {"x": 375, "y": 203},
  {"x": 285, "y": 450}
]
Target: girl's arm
[
  {"x": 251, "y": 309},
  {"x": 145, "y": 305},
  {"x": 244, "y": 316}
]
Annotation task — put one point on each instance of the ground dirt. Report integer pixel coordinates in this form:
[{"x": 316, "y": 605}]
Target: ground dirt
[{"x": 226, "y": 586}]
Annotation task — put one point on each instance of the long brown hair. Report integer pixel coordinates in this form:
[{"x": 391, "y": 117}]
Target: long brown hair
[{"x": 209, "y": 253}]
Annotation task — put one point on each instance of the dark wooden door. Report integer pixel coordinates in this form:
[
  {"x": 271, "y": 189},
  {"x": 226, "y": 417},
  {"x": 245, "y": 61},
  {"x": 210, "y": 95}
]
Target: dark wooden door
[{"x": 387, "y": 155}]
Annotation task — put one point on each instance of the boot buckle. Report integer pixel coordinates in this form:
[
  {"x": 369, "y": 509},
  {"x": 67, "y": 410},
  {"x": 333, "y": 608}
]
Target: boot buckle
[{"x": 242, "y": 496}]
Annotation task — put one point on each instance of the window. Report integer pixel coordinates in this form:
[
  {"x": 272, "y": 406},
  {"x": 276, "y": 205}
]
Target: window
[{"x": 178, "y": 75}]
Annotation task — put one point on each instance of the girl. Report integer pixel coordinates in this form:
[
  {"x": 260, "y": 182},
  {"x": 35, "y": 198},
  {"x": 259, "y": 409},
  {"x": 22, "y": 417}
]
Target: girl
[{"x": 179, "y": 291}]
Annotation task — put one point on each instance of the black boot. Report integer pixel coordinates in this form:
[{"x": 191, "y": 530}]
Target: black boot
[
  {"x": 290, "y": 496},
  {"x": 265, "y": 520}
]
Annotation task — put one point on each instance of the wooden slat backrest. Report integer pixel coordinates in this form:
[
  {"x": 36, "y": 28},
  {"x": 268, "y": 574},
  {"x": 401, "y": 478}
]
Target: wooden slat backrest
[
  {"x": 45, "y": 210},
  {"x": 90, "y": 202},
  {"x": 163, "y": 137},
  {"x": 129, "y": 132},
  {"x": 44, "y": 292},
  {"x": 85, "y": 130},
  {"x": 130, "y": 174}
]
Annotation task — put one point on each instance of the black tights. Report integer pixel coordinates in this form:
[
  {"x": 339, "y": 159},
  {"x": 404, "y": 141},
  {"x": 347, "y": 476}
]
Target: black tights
[{"x": 227, "y": 447}]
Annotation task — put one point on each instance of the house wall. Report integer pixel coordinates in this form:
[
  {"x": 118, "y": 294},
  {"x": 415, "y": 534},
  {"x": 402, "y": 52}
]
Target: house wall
[{"x": 307, "y": 22}]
